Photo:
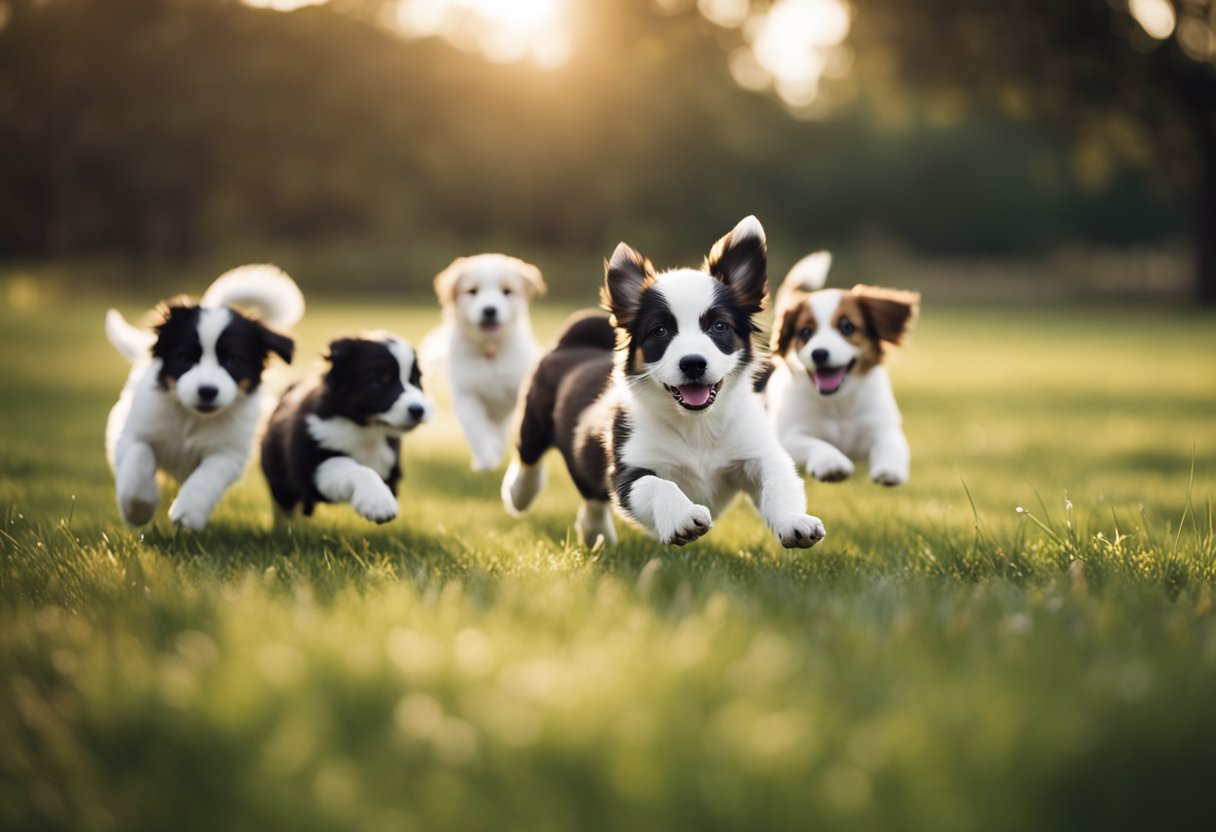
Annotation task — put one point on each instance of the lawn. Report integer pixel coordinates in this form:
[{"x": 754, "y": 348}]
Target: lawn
[{"x": 1023, "y": 637}]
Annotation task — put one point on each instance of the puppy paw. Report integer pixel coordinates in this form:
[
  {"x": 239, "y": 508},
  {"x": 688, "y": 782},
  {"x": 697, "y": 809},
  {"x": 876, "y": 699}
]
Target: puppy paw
[
  {"x": 889, "y": 474},
  {"x": 188, "y": 515},
  {"x": 484, "y": 462},
  {"x": 685, "y": 526},
  {"x": 375, "y": 504},
  {"x": 520, "y": 485},
  {"x": 137, "y": 510},
  {"x": 800, "y": 531},
  {"x": 830, "y": 465}
]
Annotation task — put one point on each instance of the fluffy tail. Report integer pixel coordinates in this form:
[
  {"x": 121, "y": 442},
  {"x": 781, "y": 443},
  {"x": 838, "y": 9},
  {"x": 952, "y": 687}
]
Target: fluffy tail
[
  {"x": 265, "y": 288},
  {"x": 809, "y": 274},
  {"x": 131, "y": 342}
]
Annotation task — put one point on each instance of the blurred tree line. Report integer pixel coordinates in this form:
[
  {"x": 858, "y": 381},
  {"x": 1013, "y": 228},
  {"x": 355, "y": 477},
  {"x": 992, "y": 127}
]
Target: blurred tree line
[{"x": 168, "y": 129}]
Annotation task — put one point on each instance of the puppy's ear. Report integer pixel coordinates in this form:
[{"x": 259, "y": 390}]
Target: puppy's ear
[
  {"x": 740, "y": 260},
  {"x": 890, "y": 313},
  {"x": 786, "y": 324},
  {"x": 170, "y": 321},
  {"x": 447, "y": 282},
  {"x": 534, "y": 284},
  {"x": 278, "y": 343},
  {"x": 627, "y": 275}
]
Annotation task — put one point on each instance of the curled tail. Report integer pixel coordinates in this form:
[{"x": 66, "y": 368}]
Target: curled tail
[
  {"x": 131, "y": 342},
  {"x": 265, "y": 288}
]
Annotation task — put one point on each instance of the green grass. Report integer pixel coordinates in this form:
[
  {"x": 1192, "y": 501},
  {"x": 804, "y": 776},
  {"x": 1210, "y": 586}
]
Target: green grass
[{"x": 939, "y": 662}]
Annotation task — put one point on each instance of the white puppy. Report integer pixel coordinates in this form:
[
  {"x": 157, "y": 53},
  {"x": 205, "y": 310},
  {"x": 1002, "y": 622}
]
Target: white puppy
[
  {"x": 829, "y": 395},
  {"x": 191, "y": 404},
  {"x": 487, "y": 343}
]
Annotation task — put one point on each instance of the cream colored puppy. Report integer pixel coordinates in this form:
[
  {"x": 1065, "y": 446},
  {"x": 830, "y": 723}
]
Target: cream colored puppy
[{"x": 487, "y": 345}]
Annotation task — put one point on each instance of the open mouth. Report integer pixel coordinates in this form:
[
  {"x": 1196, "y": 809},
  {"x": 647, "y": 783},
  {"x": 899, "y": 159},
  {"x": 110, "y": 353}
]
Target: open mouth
[
  {"x": 694, "y": 396},
  {"x": 829, "y": 379},
  {"x": 206, "y": 408},
  {"x": 489, "y": 326}
]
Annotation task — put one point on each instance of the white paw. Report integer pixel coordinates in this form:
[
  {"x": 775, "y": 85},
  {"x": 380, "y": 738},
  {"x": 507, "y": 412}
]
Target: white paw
[
  {"x": 374, "y": 503},
  {"x": 888, "y": 474},
  {"x": 801, "y": 531},
  {"x": 685, "y": 526},
  {"x": 485, "y": 462},
  {"x": 830, "y": 465},
  {"x": 186, "y": 514},
  {"x": 520, "y": 485}
]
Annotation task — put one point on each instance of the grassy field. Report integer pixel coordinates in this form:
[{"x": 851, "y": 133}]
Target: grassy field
[{"x": 942, "y": 661}]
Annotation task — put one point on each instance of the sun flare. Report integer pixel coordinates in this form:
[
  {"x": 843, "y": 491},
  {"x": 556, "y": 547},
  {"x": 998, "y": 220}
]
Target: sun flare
[{"x": 504, "y": 31}]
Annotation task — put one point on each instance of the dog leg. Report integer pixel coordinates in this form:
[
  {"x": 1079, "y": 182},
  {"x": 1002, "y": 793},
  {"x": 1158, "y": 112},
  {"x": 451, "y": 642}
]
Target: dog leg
[
  {"x": 135, "y": 483},
  {"x": 203, "y": 489},
  {"x": 779, "y": 495},
  {"x": 827, "y": 463},
  {"x": 664, "y": 510},
  {"x": 485, "y": 440},
  {"x": 890, "y": 458},
  {"x": 595, "y": 523},
  {"x": 521, "y": 485},
  {"x": 342, "y": 480}
]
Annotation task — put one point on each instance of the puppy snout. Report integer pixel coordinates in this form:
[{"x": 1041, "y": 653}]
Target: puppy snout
[
  {"x": 693, "y": 366},
  {"x": 416, "y": 412},
  {"x": 819, "y": 356},
  {"x": 489, "y": 313},
  {"x": 207, "y": 393}
]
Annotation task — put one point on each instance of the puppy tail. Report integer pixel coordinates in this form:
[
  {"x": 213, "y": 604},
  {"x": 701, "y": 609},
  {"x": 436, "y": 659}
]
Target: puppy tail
[
  {"x": 130, "y": 341},
  {"x": 265, "y": 288},
  {"x": 810, "y": 274}
]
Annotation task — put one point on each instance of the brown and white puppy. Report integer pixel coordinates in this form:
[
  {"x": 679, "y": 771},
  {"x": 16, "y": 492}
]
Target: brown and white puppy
[
  {"x": 487, "y": 345},
  {"x": 829, "y": 396}
]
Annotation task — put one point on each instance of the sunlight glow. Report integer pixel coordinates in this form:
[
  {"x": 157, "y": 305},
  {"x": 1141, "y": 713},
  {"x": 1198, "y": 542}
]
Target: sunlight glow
[
  {"x": 791, "y": 46},
  {"x": 283, "y": 5},
  {"x": 1156, "y": 17},
  {"x": 504, "y": 31}
]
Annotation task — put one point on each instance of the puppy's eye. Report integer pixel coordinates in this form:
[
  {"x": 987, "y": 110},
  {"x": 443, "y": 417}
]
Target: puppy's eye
[
  {"x": 805, "y": 333},
  {"x": 506, "y": 292},
  {"x": 846, "y": 327},
  {"x": 658, "y": 332},
  {"x": 470, "y": 292},
  {"x": 720, "y": 326}
]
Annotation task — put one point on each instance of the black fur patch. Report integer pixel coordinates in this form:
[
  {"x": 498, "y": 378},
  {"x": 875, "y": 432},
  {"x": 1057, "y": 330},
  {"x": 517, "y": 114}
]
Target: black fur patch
[
  {"x": 727, "y": 325},
  {"x": 177, "y": 343},
  {"x": 650, "y": 333},
  {"x": 742, "y": 266},
  {"x": 242, "y": 348},
  {"x": 364, "y": 380},
  {"x": 624, "y": 476}
]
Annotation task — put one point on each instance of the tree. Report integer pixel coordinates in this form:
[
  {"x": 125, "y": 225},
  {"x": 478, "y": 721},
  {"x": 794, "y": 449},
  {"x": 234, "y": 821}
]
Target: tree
[{"x": 1133, "y": 80}]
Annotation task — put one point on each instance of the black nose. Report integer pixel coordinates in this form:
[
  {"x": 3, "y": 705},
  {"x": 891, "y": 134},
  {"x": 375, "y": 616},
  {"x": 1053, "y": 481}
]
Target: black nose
[
  {"x": 208, "y": 393},
  {"x": 819, "y": 356},
  {"x": 693, "y": 366},
  {"x": 489, "y": 313},
  {"x": 416, "y": 410}
]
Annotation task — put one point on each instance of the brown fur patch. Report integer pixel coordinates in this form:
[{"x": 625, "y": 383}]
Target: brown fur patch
[
  {"x": 245, "y": 385},
  {"x": 890, "y": 313},
  {"x": 849, "y": 309},
  {"x": 793, "y": 315}
]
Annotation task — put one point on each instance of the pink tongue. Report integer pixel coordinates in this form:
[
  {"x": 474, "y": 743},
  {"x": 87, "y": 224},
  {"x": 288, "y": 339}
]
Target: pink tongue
[
  {"x": 829, "y": 380},
  {"x": 694, "y": 394}
]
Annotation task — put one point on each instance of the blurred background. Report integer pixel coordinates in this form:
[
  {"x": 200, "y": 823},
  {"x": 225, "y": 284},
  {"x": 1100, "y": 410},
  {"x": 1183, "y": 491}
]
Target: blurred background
[{"x": 1014, "y": 149}]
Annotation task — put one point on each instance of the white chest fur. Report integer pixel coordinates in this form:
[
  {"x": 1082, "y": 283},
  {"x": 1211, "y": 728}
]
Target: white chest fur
[{"x": 365, "y": 444}]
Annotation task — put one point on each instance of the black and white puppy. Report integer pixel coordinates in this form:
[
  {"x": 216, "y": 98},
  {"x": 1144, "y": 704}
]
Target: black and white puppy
[
  {"x": 669, "y": 429},
  {"x": 337, "y": 438},
  {"x": 191, "y": 403}
]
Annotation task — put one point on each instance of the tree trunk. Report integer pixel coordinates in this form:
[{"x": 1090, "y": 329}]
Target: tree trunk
[{"x": 1205, "y": 225}]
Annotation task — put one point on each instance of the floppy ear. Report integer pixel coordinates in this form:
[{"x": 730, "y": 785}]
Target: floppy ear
[
  {"x": 810, "y": 274},
  {"x": 787, "y": 320},
  {"x": 626, "y": 275},
  {"x": 534, "y": 284},
  {"x": 890, "y": 313},
  {"x": 740, "y": 260},
  {"x": 446, "y": 281},
  {"x": 277, "y": 343}
]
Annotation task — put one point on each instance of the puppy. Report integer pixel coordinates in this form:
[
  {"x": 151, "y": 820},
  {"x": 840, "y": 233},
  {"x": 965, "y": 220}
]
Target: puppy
[
  {"x": 829, "y": 395},
  {"x": 191, "y": 403},
  {"x": 337, "y": 438},
  {"x": 668, "y": 430},
  {"x": 487, "y": 342}
]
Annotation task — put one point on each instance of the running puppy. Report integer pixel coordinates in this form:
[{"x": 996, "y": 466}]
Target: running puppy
[
  {"x": 486, "y": 340},
  {"x": 668, "y": 430},
  {"x": 337, "y": 438},
  {"x": 191, "y": 403},
  {"x": 829, "y": 395}
]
